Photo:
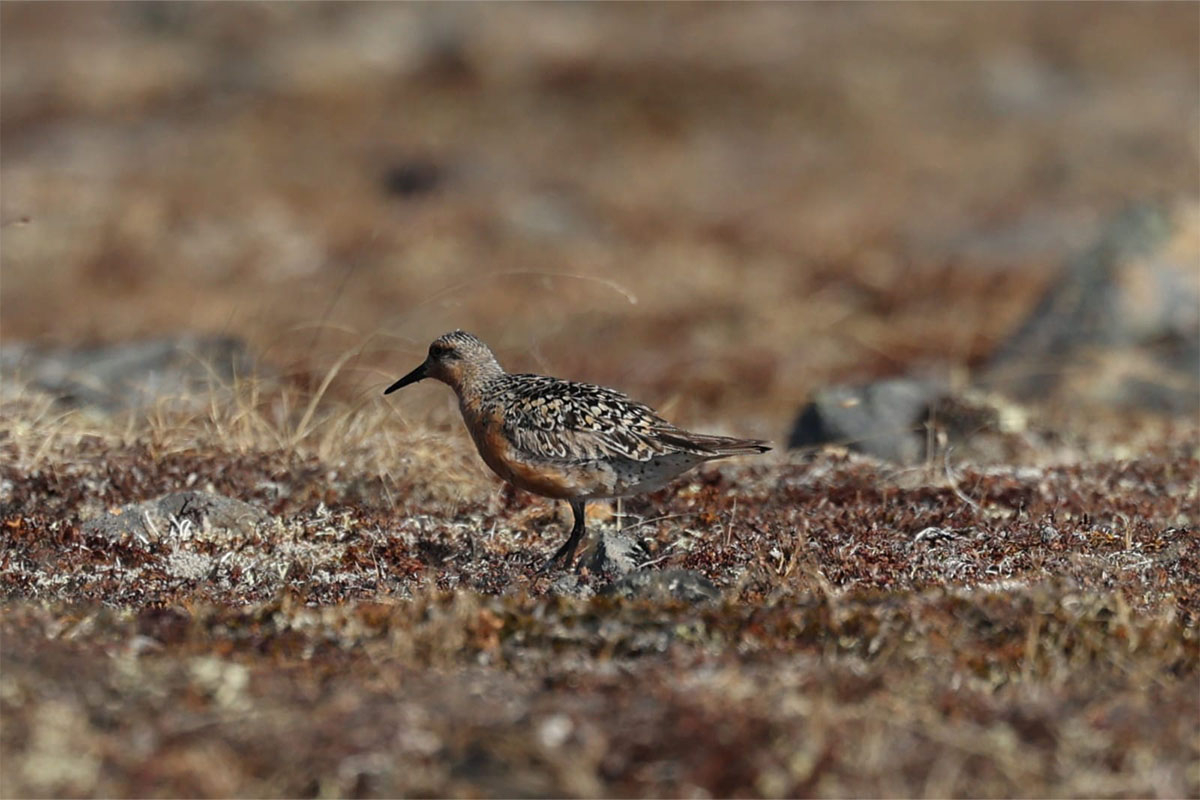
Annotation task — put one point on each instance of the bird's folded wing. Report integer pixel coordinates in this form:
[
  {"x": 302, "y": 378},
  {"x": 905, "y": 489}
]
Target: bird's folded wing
[{"x": 565, "y": 420}]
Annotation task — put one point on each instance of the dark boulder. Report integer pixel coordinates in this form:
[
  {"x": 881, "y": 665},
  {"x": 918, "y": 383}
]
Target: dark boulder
[{"x": 884, "y": 418}]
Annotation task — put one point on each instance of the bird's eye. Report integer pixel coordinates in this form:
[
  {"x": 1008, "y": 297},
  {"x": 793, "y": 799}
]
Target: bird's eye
[{"x": 438, "y": 351}]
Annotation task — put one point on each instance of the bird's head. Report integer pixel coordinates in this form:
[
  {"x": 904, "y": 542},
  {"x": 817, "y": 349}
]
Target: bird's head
[{"x": 457, "y": 359}]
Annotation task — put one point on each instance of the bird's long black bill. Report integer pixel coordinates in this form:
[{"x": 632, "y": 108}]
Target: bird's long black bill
[{"x": 417, "y": 374}]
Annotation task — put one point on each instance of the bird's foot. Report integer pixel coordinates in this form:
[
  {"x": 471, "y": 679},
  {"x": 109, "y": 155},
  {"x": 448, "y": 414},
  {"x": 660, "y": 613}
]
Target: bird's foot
[
  {"x": 562, "y": 557},
  {"x": 553, "y": 563}
]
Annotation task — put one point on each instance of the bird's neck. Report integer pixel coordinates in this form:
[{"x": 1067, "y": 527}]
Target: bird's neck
[{"x": 473, "y": 381}]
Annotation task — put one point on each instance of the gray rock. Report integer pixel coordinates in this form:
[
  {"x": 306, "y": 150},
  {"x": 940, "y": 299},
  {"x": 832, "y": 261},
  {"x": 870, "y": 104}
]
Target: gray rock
[
  {"x": 569, "y": 585},
  {"x": 883, "y": 418},
  {"x": 610, "y": 554},
  {"x": 1079, "y": 308},
  {"x": 177, "y": 516},
  {"x": 1120, "y": 327},
  {"x": 664, "y": 585},
  {"x": 901, "y": 418},
  {"x": 613, "y": 554},
  {"x": 132, "y": 374}
]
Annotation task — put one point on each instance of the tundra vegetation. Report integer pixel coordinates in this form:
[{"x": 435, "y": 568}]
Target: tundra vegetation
[{"x": 891, "y": 236}]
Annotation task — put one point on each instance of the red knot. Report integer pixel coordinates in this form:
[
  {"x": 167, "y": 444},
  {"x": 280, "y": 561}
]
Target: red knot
[{"x": 563, "y": 439}]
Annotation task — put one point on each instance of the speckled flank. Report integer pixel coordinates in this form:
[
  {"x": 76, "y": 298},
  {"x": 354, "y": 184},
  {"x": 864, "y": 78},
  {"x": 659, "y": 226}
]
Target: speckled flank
[{"x": 564, "y": 439}]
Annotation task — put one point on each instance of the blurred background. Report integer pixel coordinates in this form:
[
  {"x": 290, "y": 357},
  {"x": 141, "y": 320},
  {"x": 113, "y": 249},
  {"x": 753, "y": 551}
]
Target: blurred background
[{"x": 718, "y": 208}]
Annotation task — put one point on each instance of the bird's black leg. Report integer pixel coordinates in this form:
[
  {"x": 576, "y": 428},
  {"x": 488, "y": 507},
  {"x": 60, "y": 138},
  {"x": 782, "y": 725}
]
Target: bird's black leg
[{"x": 567, "y": 551}]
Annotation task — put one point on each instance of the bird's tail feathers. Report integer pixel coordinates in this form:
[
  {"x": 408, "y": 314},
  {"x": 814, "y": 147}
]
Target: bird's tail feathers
[{"x": 714, "y": 446}]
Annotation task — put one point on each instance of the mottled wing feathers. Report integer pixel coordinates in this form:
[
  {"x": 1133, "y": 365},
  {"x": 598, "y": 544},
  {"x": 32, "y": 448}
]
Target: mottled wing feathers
[
  {"x": 560, "y": 420},
  {"x": 565, "y": 420}
]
